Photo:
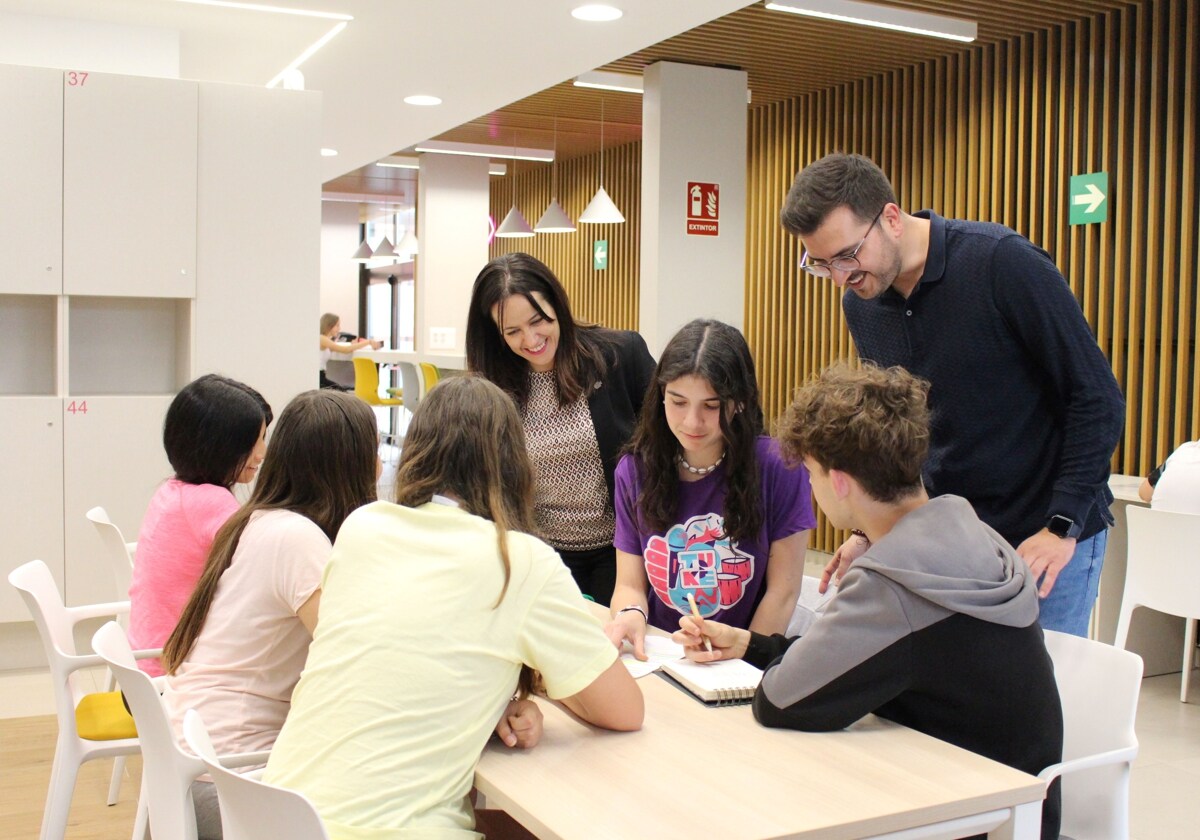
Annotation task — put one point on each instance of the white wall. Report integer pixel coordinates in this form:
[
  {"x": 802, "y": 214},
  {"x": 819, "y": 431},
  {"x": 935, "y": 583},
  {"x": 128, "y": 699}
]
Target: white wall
[
  {"x": 693, "y": 129},
  {"x": 339, "y": 274},
  {"x": 452, "y": 212},
  {"x": 90, "y": 45}
]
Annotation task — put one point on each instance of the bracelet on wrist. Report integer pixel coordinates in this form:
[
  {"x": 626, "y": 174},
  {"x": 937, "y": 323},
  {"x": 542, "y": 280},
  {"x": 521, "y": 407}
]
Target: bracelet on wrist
[
  {"x": 861, "y": 535},
  {"x": 635, "y": 608}
]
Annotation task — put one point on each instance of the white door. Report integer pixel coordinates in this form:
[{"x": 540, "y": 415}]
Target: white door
[
  {"x": 31, "y": 100},
  {"x": 31, "y": 482},
  {"x": 114, "y": 458},
  {"x": 129, "y": 204}
]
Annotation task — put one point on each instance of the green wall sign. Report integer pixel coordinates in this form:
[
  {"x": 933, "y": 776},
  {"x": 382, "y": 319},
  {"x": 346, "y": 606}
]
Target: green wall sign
[
  {"x": 600, "y": 254},
  {"x": 1088, "y": 197}
]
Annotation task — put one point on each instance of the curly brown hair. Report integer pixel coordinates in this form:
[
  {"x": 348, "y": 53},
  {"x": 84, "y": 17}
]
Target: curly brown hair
[{"x": 872, "y": 423}]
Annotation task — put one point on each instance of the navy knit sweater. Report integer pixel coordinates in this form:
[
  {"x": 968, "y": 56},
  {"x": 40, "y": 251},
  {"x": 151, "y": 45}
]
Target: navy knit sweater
[{"x": 1025, "y": 410}]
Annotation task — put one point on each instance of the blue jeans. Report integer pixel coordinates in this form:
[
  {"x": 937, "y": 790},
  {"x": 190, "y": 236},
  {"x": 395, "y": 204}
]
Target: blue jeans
[{"x": 1069, "y": 605}]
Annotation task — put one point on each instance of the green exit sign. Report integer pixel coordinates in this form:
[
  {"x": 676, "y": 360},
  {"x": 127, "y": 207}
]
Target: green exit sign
[{"x": 1088, "y": 197}]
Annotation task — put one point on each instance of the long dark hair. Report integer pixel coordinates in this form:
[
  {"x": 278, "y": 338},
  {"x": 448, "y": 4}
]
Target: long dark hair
[
  {"x": 211, "y": 429},
  {"x": 718, "y": 354},
  {"x": 321, "y": 464},
  {"x": 580, "y": 360},
  {"x": 466, "y": 439}
]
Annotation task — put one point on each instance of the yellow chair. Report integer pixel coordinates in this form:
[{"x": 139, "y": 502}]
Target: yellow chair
[
  {"x": 366, "y": 385},
  {"x": 430, "y": 374}
]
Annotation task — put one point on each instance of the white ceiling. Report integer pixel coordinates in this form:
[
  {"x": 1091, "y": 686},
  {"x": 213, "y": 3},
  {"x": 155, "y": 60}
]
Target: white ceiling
[{"x": 477, "y": 55}]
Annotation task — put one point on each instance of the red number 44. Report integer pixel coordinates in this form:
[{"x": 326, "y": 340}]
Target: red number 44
[{"x": 77, "y": 407}]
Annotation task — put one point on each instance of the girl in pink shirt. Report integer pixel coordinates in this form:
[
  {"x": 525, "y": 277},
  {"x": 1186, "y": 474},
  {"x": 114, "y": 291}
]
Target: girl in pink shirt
[{"x": 215, "y": 437}]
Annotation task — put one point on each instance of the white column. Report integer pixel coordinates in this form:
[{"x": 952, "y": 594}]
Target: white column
[
  {"x": 452, "y": 229},
  {"x": 693, "y": 131}
]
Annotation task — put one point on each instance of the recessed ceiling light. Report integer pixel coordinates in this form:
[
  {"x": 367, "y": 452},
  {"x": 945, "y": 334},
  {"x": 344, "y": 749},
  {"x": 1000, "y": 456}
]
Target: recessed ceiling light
[
  {"x": 596, "y": 12},
  {"x": 422, "y": 99},
  {"x": 328, "y": 152},
  {"x": 882, "y": 17}
]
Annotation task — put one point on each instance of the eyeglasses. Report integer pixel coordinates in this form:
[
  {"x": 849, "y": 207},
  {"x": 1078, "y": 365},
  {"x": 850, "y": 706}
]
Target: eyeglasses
[{"x": 824, "y": 268}]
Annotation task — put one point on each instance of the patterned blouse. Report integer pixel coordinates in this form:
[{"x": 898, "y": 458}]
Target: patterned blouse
[{"x": 570, "y": 496}]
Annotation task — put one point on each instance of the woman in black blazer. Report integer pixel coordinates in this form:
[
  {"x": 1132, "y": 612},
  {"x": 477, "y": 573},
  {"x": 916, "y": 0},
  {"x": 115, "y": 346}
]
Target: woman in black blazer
[{"x": 579, "y": 388}]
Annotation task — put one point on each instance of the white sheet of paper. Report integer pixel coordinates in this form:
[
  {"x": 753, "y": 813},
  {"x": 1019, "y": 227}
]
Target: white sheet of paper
[{"x": 659, "y": 649}]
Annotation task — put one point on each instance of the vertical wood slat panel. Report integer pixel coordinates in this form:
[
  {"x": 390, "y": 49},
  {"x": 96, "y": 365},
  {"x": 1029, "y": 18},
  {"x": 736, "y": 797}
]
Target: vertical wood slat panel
[
  {"x": 608, "y": 297},
  {"x": 995, "y": 134}
]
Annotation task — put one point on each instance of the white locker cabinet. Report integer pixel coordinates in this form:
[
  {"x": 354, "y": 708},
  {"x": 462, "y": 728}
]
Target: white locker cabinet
[
  {"x": 31, "y": 481},
  {"x": 129, "y": 186},
  {"x": 113, "y": 456},
  {"x": 31, "y": 118}
]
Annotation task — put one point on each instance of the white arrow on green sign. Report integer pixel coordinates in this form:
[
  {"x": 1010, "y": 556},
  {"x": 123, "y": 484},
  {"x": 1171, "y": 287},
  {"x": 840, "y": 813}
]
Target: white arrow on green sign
[
  {"x": 600, "y": 254},
  {"x": 1089, "y": 198}
]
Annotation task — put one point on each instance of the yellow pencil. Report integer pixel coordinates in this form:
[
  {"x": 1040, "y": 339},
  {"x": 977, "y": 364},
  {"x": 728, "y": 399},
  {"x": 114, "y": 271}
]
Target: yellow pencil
[{"x": 696, "y": 613}]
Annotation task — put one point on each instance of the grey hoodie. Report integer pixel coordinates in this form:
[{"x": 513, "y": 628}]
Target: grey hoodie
[{"x": 934, "y": 627}]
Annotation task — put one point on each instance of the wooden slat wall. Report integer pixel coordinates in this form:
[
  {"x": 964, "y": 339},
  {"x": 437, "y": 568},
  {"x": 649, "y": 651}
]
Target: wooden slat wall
[
  {"x": 608, "y": 297},
  {"x": 994, "y": 133}
]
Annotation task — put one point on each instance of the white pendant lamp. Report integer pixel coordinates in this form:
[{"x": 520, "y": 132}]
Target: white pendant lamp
[
  {"x": 408, "y": 243},
  {"x": 514, "y": 225},
  {"x": 555, "y": 219},
  {"x": 385, "y": 251},
  {"x": 363, "y": 254},
  {"x": 601, "y": 210}
]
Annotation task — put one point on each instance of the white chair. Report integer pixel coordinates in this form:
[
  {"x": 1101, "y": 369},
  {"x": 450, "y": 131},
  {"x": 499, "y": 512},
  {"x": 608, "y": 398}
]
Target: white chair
[
  {"x": 1163, "y": 573},
  {"x": 250, "y": 809},
  {"x": 167, "y": 771},
  {"x": 118, "y": 552},
  {"x": 809, "y": 606},
  {"x": 120, "y": 558},
  {"x": 90, "y": 725},
  {"x": 1099, "y": 686}
]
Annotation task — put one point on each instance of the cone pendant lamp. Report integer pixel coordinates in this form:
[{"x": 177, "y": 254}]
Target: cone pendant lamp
[
  {"x": 601, "y": 209},
  {"x": 514, "y": 225},
  {"x": 555, "y": 219}
]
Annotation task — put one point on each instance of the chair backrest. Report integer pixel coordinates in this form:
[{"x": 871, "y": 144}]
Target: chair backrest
[
  {"x": 1099, "y": 686},
  {"x": 366, "y": 380},
  {"x": 40, "y": 593},
  {"x": 410, "y": 382},
  {"x": 340, "y": 371},
  {"x": 116, "y": 550},
  {"x": 1163, "y": 569},
  {"x": 251, "y": 809},
  {"x": 168, "y": 772},
  {"x": 430, "y": 375}
]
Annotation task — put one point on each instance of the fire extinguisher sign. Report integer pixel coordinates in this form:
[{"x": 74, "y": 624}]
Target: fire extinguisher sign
[{"x": 704, "y": 208}]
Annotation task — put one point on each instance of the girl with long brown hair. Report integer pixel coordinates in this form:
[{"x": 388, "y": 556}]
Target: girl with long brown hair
[
  {"x": 242, "y": 639},
  {"x": 707, "y": 510},
  {"x": 432, "y": 607}
]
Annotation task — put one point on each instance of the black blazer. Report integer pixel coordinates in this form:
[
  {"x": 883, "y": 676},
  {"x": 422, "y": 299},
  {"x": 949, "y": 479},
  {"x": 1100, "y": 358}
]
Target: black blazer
[{"x": 616, "y": 401}]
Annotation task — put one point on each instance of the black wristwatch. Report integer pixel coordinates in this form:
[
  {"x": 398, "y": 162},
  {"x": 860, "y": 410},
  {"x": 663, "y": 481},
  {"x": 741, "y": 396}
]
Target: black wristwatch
[{"x": 1063, "y": 527}]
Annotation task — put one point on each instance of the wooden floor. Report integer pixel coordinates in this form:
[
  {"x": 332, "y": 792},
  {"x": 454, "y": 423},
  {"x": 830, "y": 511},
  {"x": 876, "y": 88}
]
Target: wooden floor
[{"x": 26, "y": 754}]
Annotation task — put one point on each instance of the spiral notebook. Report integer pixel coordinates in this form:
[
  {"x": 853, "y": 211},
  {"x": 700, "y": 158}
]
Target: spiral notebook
[{"x": 728, "y": 683}]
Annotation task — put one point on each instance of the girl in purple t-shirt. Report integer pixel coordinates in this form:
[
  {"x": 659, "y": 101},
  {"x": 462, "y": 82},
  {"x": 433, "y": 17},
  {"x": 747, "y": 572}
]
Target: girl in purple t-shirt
[{"x": 705, "y": 504}]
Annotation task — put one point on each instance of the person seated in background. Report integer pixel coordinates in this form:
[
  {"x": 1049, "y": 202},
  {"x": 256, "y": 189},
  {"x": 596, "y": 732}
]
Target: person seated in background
[
  {"x": 331, "y": 325},
  {"x": 215, "y": 436},
  {"x": 435, "y": 612},
  {"x": 1174, "y": 485},
  {"x": 935, "y": 626},
  {"x": 706, "y": 506}
]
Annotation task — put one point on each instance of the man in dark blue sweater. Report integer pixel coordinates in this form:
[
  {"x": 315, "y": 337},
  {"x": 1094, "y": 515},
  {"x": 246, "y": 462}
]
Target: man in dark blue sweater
[{"x": 1026, "y": 412}]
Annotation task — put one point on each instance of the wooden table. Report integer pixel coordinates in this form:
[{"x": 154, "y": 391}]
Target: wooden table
[{"x": 694, "y": 771}]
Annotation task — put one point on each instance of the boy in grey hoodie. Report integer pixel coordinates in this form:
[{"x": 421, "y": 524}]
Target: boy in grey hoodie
[{"x": 935, "y": 626}]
